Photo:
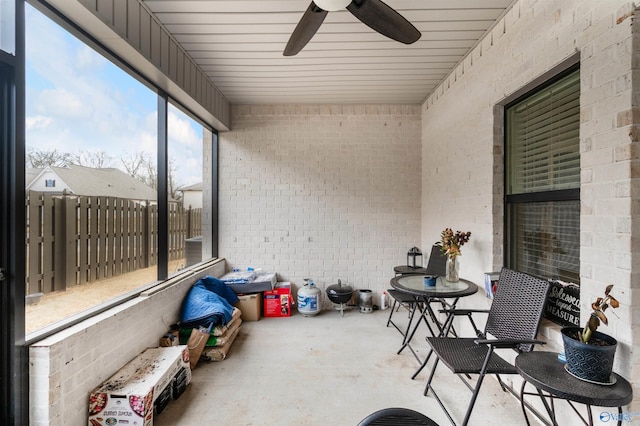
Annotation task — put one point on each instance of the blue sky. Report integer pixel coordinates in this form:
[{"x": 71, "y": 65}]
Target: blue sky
[{"x": 78, "y": 101}]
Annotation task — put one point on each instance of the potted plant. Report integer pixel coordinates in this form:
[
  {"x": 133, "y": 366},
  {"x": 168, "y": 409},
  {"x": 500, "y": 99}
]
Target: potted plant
[{"x": 589, "y": 353}]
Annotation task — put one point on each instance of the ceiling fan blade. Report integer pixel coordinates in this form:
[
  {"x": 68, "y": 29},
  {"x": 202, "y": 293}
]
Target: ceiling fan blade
[
  {"x": 305, "y": 30},
  {"x": 382, "y": 18}
]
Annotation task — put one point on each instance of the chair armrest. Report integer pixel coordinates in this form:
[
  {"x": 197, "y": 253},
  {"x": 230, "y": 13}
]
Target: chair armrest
[
  {"x": 508, "y": 343},
  {"x": 451, "y": 313},
  {"x": 463, "y": 311}
]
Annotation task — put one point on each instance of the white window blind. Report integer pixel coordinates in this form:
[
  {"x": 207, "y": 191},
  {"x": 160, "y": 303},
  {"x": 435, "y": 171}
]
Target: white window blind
[
  {"x": 543, "y": 139},
  {"x": 543, "y": 181}
]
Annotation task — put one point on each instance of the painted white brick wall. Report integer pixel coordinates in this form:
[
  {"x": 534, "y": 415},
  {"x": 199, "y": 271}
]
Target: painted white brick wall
[
  {"x": 462, "y": 131},
  {"x": 66, "y": 367},
  {"x": 322, "y": 191}
]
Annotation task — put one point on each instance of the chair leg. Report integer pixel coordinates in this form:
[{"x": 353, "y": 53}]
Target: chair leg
[
  {"x": 394, "y": 309},
  {"x": 424, "y": 364},
  {"x": 391, "y": 313},
  {"x": 412, "y": 312},
  {"x": 412, "y": 332},
  {"x": 433, "y": 372},
  {"x": 502, "y": 385},
  {"x": 435, "y": 394},
  {"x": 476, "y": 390},
  {"x": 473, "y": 400}
]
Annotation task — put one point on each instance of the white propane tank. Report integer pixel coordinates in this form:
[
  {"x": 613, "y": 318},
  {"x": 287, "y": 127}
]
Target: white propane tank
[{"x": 309, "y": 299}]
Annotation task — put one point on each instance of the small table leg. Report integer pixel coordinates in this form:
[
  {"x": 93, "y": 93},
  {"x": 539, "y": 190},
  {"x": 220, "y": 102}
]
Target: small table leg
[
  {"x": 551, "y": 408},
  {"x": 619, "y": 416},
  {"x": 422, "y": 317},
  {"x": 524, "y": 410},
  {"x": 443, "y": 330}
]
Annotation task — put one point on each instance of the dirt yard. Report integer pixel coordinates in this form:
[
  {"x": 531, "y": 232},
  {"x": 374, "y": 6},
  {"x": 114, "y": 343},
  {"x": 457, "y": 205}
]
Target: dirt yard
[{"x": 56, "y": 306}]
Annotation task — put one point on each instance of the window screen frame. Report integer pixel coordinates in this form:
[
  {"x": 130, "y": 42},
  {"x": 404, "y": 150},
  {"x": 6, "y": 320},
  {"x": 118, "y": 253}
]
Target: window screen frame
[
  {"x": 162, "y": 99},
  {"x": 510, "y": 200}
]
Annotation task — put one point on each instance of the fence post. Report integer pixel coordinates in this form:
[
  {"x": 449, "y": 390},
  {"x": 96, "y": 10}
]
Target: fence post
[
  {"x": 35, "y": 205},
  {"x": 65, "y": 242},
  {"x": 189, "y": 221},
  {"x": 146, "y": 234}
]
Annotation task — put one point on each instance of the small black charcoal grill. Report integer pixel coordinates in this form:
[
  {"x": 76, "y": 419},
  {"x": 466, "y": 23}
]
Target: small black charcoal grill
[{"x": 340, "y": 295}]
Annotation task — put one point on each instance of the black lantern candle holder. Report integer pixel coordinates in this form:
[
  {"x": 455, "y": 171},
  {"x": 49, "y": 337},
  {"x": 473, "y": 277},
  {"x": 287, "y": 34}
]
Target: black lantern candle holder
[{"x": 414, "y": 258}]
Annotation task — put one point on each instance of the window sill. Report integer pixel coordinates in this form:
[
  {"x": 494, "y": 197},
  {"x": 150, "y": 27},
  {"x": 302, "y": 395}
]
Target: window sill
[{"x": 550, "y": 332}]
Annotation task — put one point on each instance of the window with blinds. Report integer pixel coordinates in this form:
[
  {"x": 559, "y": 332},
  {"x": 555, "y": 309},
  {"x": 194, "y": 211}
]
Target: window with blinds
[{"x": 542, "y": 156}]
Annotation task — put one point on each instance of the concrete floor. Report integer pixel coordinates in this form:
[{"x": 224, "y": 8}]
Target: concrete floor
[{"x": 325, "y": 370}]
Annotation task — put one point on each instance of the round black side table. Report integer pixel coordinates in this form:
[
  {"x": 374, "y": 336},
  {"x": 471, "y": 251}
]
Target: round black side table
[{"x": 547, "y": 373}]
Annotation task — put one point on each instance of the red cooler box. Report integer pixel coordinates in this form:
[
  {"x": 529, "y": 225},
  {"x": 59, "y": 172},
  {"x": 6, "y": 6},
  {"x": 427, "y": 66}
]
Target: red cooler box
[{"x": 277, "y": 302}]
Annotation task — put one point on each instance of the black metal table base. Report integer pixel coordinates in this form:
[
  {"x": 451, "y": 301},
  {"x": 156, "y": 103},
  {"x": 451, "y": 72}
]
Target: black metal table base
[
  {"x": 550, "y": 408},
  {"x": 547, "y": 374},
  {"x": 423, "y": 295},
  {"x": 406, "y": 343}
]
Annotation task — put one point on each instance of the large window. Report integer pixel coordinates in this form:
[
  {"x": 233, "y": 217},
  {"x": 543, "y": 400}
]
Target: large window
[
  {"x": 95, "y": 163},
  {"x": 7, "y": 26},
  {"x": 543, "y": 180},
  {"x": 188, "y": 146}
]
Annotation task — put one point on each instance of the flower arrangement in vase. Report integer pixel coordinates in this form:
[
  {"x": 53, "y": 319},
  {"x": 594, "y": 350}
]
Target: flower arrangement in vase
[
  {"x": 589, "y": 353},
  {"x": 450, "y": 244}
]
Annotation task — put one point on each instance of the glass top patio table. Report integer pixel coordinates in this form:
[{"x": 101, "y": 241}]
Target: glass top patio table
[
  {"x": 414, "y": 284},
  {"x": 424, "y": 295}
]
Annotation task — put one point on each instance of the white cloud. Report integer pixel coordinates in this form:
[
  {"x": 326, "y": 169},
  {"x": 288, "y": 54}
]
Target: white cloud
[
  {"x": 38, "y": 122},
  {"x": 78, "y": 101},
  {"x": 88, "y": 61},
  {"x": 93, "y": 104},
  {"x": 63, "y": 103},
  {"x": 181, "y": 131}
]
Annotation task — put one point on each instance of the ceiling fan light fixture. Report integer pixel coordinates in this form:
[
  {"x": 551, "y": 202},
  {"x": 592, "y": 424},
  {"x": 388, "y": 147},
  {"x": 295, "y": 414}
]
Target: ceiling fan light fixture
[{"x": 332, "y": 5}]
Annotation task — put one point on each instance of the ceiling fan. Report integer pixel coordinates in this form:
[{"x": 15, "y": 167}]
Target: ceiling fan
[{"x": 374, "y": 13}]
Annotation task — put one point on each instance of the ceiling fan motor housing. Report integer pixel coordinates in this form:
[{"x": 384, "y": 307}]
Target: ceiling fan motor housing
[{"x": 332, "y": 5}]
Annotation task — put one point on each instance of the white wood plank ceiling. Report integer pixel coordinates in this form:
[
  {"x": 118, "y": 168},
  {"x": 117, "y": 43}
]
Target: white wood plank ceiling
[{"x": 239, "y": 44}]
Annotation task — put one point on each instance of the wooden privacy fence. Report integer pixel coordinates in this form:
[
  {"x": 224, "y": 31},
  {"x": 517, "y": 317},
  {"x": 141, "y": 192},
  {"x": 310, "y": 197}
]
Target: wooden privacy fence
[{"x": 73, "y": 240}]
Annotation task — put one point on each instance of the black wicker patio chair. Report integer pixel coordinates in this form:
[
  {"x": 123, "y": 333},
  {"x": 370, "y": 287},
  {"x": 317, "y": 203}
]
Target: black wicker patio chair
[
  {"x": 436, "y": 266},
  {"x": 397, "y": 417},
  {"x": 512, "y": 323}
]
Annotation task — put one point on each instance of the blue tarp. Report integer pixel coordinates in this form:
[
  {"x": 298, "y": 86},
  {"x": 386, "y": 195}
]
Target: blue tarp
[{"x": 208, "y": 301}]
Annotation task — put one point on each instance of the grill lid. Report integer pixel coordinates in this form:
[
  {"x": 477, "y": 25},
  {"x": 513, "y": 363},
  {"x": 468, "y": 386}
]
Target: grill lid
[{"x": 339, "y": 289}]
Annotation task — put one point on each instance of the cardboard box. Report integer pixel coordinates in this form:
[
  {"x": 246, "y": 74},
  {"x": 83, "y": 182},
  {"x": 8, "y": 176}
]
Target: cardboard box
[
  {"x": 250, "y": 305},
  {"x": 277, "y": 302},
  {"x": 171, "y": 338},
  {"x": 142, "y": 388}
]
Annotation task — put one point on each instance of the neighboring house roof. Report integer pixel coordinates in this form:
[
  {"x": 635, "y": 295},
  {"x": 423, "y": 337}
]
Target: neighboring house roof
[
  {"x": 108, "y": 182},
  {"x": 194, "y": 187},
  {"x": 31, "y": 175}
]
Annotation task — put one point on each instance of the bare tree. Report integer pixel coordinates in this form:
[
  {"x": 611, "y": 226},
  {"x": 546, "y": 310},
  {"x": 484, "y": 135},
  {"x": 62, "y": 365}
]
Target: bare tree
[
  {"x": 134, "y": 164},
  {"x": 173, "y": 183},
  {"x": 150, "y": 174},
  {"x": 96, "y": 159},
  {"x": 53, "y": 158},
  {"x": 142, "y": 167}
]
